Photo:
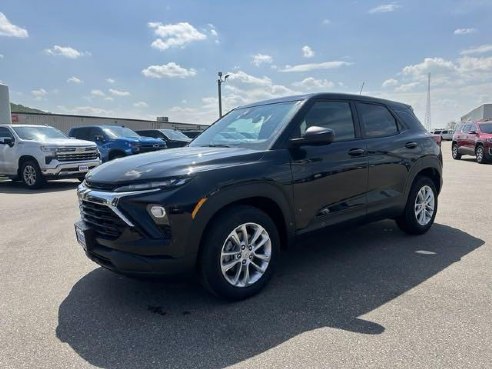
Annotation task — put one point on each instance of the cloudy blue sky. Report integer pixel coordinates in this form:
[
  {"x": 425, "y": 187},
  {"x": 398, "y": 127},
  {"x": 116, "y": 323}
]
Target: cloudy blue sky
[{"x": 142, "y": 59}]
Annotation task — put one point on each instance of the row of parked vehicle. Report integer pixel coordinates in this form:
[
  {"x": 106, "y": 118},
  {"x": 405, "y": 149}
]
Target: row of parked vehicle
[{"x": 36, "y": 153}]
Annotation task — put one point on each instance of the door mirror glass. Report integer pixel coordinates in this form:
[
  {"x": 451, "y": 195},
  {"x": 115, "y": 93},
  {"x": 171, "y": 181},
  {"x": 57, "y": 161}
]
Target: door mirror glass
[
  {"x": 315, "y": 135},
  {"x": 99, "y": 138},
  {"x": 472, "y": 132}
]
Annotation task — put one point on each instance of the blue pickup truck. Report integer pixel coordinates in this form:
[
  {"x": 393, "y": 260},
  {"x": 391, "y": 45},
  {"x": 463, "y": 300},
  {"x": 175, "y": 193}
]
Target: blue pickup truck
[{"x": 116, "y": 141}]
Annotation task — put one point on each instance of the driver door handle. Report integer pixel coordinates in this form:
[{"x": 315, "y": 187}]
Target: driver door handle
[{"x": 411, "y": 145}]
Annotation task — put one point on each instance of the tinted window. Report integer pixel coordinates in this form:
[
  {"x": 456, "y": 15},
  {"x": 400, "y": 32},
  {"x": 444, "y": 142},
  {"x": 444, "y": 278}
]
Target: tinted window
[
  {"x": 466, "y": 128},
  {"x": 5, "y": 132},
  {"x": 473, "y": 127},
  {"x": 376, "y": 120},
  {"x": 486, "y": 127},
  {"x": 330, "y": 114},
  {"x": 80, "y": 133}
]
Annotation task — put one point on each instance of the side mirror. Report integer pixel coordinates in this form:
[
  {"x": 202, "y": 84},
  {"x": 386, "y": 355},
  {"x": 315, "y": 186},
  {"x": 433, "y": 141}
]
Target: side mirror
[
  {"x": 472, "y": 132},
  {"x": 314, "y": 136},
  {"x": 99, "y": 138},
  {"x": 7, "y": 141}
]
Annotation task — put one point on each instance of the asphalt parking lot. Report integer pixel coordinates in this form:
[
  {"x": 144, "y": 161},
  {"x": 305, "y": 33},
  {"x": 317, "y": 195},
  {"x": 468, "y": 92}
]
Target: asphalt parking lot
[{"x": 367, "y": 298}]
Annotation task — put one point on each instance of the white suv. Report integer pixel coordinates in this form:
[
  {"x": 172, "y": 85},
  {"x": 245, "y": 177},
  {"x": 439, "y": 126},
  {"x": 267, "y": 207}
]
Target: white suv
[{"x": 35, "y": 153}]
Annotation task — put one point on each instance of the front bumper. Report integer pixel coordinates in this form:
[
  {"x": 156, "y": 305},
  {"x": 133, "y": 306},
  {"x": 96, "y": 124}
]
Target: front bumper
[
  {"x": 121, "y": 236},
  {"x": 67, "y": 169}
]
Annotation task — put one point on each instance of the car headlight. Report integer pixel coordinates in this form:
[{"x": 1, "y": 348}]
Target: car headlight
[
  {"x": 166, "y": 184},
  {"x": 48, "y": 149}
]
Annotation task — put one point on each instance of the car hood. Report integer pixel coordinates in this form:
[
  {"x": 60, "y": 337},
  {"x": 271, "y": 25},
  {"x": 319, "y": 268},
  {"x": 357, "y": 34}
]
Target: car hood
[
  {"x": 183, "y": 161},
  {"x": 64, "y": 142},
  {"x": 140, "y": 140}
]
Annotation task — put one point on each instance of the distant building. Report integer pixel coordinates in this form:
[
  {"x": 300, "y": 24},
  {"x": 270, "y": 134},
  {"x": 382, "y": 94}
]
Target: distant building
[
  {"x": 65, "y": 122},
  {"x": 483, "y": 112}
]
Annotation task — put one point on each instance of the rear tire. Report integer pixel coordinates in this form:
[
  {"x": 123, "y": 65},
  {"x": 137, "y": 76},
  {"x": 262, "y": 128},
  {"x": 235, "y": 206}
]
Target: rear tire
[
  {"x": 239, "y": 253},
  {"x": 454, "y": 152},
  {"x": 31, "y": 175},
  {"x": 421, "y": 208}
]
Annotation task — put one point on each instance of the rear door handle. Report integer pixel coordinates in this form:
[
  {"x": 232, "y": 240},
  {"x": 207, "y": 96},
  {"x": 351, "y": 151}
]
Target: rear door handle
[
  {"x": 356, "y": 152},
  {"x": 411, "y": 145}
]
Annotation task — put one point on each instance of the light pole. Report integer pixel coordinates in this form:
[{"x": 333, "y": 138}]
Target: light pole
[{"x": 220, "y": 81}]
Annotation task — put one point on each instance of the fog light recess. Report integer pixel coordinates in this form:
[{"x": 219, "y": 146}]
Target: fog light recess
[{"x": 158, "y": 212}]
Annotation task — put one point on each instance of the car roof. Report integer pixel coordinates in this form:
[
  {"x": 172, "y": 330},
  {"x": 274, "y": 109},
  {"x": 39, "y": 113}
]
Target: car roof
[
  {"x": 100, "y": 126},
  {"x": 24, "y": 125},
  {"x": 328, "y": 95}
]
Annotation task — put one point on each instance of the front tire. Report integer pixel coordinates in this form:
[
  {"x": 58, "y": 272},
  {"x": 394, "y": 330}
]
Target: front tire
[
  {"x": 421, "y": 208},
  {"x": 239, "y": 253},
  {"x": 480, "y": 155},
  {"x": 454, "y": 152},
  {"x": 31, "y": 175}
]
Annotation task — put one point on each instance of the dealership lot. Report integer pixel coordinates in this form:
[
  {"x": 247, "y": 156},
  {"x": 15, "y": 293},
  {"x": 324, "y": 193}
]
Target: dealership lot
[{"x": 374, "y": 297}]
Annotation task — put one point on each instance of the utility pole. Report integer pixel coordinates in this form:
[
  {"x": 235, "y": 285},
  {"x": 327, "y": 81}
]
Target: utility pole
[
  {"x": 220, "y": 81},
  {"x": 428, "y": 123},
  {"x": 362, "y": 87}
]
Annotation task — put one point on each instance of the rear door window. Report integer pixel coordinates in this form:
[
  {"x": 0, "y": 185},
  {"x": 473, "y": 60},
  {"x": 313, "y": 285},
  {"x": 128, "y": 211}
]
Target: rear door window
[{"x": 376, "y": 120}]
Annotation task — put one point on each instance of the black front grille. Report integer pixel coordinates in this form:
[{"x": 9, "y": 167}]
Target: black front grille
[
  {"x": 102, "y": 219},
  {"x": 81, "y": 156},
  {"x": 100, "y": 186}
]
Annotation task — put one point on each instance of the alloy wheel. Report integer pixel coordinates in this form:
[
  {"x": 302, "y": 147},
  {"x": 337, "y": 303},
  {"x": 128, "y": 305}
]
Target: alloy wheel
[
  {"x": 29, "y": 175},
  {"x": 245, "y": 255},
  {"x": 424, "y": 205}
]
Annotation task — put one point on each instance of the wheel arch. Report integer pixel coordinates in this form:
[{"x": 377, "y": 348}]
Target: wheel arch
[
  {"x": 266, "y": 197},
  {"x": 22, "y": 160},
  {"x": 428, "y": 166}
]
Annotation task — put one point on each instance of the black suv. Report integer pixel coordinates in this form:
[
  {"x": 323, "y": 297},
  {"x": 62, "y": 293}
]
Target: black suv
[
  {"x": 240, "y": 192},
  {"x": 172, "y": 137}
]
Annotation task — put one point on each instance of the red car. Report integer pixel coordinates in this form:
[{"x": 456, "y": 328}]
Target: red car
[{"x": 473, "y": 138}]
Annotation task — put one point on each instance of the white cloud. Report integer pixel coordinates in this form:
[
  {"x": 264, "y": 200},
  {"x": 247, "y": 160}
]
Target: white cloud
[
  {"x": 118, "y": 92},
  {"x": 214, "y": 33},
  {"x": 477, "y": 50},
  {"x": 434, "y": 65},
  {"x": 141, "y": 104},
  {"x": 307, "y": 52},
  {"x": 407, "y": 86},
  {"x": 169, "y": 70},
  {"x": 66, "y": 51},
  {"x": 110, "y": 80},
  {"x": 311, "y": 84},
  {"x": 108, "y": 98},
  {"x": 385, "y": 8},
  {"x": 1, "y": 56},
  {"x": 465, "y": 31},
  {"x": 260, "y": 59},
  {"x": 11, "y": 30},
  {"x": 244, "y": 77},
  {"x": 390, "y": 83},
  {"x": 97, "y": 93},
  {"x": 39, "y": 94},
  {"x": 75, "y": 80},
  {"x": 315, "y": 66},
  {"x": 175, "y": 35},
  {"x": 326, "y": 21}
]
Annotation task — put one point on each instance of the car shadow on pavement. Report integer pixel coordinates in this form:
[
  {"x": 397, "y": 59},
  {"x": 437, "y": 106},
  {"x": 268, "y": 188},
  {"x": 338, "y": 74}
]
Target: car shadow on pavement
[
  {"x": 8, "y": 186},
  {"x": 329, "y": 279}
]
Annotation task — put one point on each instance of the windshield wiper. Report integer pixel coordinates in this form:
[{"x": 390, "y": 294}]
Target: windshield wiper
[{"x": 215, "y": 145}]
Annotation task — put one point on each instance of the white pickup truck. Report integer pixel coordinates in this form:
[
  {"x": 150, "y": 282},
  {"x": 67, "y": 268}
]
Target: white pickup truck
[{"x": 35, "y": 153}]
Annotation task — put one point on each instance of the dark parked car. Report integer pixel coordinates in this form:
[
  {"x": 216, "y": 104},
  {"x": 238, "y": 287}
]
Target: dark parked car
[
  {"x": 116, "y": 142},
  {"x": 473, "y": 138},
  {"x": 225, "y": 206},
  {"x": 172, "y": 137}
]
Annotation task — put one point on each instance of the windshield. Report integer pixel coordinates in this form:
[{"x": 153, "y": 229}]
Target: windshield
[
  {"x": 116, "y": 131},
  {"x": 255, "y": 127},
  {"x": 40, "y": 133},
  {"x": 486, "y": 127},
  {"x": 173, "y": 134}
]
